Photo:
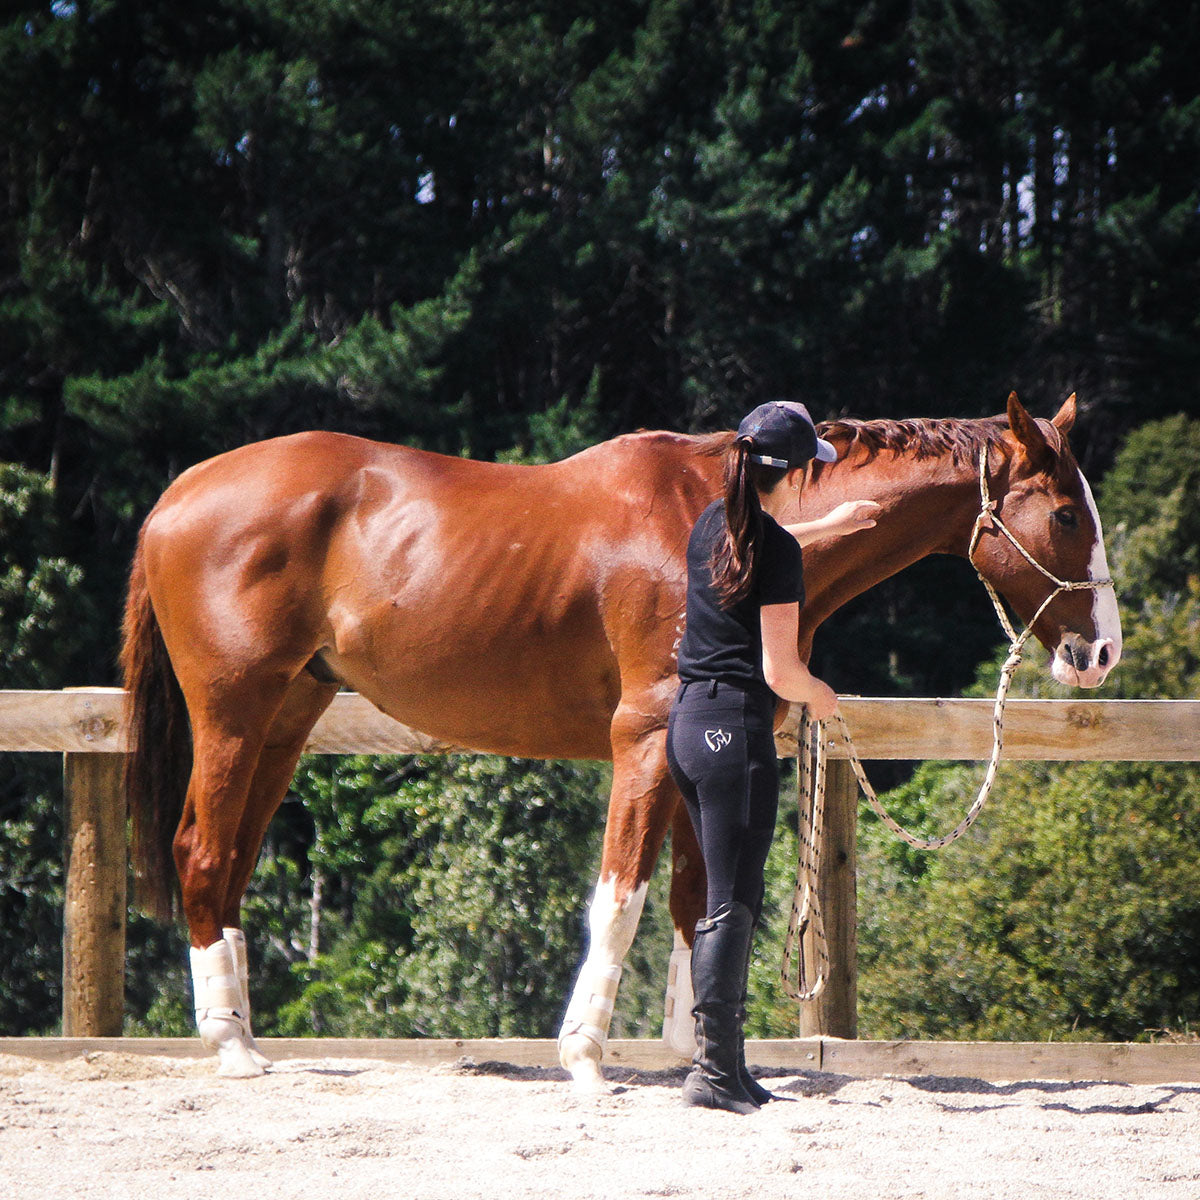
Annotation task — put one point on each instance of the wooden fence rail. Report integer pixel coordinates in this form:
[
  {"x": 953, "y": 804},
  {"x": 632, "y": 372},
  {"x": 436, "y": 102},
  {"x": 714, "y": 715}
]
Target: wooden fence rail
[{"x": 86, "y": 726}]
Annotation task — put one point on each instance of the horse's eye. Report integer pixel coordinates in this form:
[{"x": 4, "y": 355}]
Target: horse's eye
[{"x": 1066, "y": 517}]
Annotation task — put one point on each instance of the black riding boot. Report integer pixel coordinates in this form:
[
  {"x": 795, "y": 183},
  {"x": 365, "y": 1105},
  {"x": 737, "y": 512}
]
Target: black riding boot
[
  {"x": 719, "y": 954},
  {"x": 753, "y": 1088}
]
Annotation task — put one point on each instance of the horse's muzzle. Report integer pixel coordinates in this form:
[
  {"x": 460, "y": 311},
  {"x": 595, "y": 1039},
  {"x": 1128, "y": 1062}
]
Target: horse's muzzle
[{"x": 1080, "y": 663}]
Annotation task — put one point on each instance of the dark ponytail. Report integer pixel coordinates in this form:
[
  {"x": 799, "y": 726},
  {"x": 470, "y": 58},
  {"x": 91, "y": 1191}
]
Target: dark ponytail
[{"x": 735, "y": 558}]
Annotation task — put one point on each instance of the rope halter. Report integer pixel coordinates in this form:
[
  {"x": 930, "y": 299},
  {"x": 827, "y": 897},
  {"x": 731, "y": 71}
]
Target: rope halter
[
  {"x": 806, "y": 908},
  {"x": 989, "y": 517}
]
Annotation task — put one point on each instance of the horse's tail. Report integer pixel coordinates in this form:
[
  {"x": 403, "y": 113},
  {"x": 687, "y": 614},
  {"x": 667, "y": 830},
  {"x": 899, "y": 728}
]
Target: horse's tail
[{"x": 159, "y": 761}]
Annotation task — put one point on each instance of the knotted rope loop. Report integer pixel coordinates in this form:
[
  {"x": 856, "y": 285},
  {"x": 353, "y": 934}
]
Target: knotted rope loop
[{"x": 806, "y": 900}]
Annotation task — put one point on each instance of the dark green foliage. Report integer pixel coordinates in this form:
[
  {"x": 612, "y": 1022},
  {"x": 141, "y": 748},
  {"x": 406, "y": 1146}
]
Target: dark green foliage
[
  {"x": 1072, "y": 913},
  {"x": 437, "y": 897},
  {"x": 1149, "y": 502},
  {"x": 43, "y": 612}
]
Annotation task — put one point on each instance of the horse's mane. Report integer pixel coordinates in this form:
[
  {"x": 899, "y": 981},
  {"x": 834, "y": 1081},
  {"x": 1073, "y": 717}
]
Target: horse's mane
[{"x": 922, "y": 437}]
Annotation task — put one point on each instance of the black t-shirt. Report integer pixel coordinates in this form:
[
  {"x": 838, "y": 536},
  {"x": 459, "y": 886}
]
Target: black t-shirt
[{"x": 726, "y": 644}]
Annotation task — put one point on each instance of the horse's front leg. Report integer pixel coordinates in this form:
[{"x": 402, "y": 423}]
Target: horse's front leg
[{"x": 643, "y": 799}]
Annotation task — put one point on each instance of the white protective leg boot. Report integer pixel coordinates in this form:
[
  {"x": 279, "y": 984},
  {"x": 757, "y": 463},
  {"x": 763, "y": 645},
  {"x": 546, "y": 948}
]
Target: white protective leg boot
[
  {"x": 237, "y": 942},
  {"x": 584, "y": 1032},
  {"x": 218, "y": 1003},
  {"x": 581, "y": 1041},
  {"x": 679, "y": 1026}
]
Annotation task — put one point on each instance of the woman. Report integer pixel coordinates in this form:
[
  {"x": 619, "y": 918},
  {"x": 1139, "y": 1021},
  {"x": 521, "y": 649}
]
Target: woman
[{"x": 738, "y": 655}]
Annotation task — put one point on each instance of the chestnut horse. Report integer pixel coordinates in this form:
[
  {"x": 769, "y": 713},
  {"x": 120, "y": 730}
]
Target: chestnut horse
[{"x": 518, "y": 610}]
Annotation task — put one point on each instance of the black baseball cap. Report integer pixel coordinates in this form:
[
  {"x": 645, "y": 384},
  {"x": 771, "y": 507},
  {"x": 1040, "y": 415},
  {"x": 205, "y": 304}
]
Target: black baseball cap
[{"x": 783, "y": 435}]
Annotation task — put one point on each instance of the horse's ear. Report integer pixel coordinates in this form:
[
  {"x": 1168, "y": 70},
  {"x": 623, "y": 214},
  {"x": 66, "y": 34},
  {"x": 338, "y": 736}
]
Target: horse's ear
[
  {"x": 1032, "y": 439},
  {"x": 1065, "y": 417}
]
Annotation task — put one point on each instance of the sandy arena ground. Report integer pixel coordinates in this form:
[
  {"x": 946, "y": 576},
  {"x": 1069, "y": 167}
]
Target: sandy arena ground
[{"x": 137, "y": 1128}]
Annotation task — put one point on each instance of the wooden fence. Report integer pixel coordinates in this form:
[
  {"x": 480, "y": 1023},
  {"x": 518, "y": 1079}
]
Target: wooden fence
[{"x": 85, "y": 725}]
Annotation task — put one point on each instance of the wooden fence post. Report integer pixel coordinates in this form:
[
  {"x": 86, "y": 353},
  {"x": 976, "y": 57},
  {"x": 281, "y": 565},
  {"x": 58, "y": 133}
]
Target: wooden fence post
[
  {"x": 834, "y": 1013},
  {"x": 93, "y": 1000}
]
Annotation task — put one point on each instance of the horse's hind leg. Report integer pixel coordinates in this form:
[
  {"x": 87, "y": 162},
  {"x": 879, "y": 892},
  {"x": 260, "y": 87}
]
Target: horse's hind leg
[
  {"x": 305, "y": 702},
  {"x": 224, "y": 763},
  {"x": 238, "y": 781},
  {"x": 643, "y": 798},
  {"x": 688, "y": 885}
]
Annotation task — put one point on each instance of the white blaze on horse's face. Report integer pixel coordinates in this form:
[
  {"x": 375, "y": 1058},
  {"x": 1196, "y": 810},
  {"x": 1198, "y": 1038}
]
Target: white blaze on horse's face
[
  {"x": 1077, "y": 662},
  {"x": 1051, "y": 488}
]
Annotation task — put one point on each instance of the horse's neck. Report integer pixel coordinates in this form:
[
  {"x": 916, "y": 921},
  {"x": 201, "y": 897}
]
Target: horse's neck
[{"x": 926, "y": 507}]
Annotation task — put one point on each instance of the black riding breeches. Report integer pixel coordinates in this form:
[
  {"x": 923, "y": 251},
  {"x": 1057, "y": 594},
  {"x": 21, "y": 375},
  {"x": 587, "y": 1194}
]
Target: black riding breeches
[{"x": 721, "y": 752}]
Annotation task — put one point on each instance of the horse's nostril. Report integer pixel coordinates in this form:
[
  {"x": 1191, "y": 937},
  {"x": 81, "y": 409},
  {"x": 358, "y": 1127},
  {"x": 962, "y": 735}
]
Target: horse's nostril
[
  {"x": 1077, "y": 654},
  {"x": 1102, "y": 657}
]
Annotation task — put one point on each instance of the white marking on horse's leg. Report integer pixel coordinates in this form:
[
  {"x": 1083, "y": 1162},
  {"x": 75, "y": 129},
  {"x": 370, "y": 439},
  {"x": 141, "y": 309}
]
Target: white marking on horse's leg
[
  {"x": 218, "y": 1002},
  {"x": 679, "y": 1026},
  {"x": 612, "y": 924},
  {"x": 237, "y": 943}
]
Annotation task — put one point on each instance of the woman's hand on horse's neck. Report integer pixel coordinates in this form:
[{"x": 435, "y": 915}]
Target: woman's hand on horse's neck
[
  {"x": 783, "y": 503},
  {"x": 849, "y": 517}
]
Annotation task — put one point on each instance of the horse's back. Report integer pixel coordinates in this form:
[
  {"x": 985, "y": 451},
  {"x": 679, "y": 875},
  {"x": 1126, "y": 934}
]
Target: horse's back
[
  {"x": 446, "y": 590},
  {"x": 652, "y": 463}
]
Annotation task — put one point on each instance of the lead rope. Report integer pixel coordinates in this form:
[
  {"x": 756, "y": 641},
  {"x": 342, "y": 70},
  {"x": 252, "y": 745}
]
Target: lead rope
[
  {"x": 805, "y": 897},
  {"x": 806, "y": 901}
]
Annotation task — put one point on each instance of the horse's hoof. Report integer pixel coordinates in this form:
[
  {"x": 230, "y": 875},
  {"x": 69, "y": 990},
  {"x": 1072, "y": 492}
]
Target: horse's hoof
[
  {"x": 581, "y": 1057},
  {"x": 228, "y": 1038},
  {"x": 238, "y": 1065},
  {"x": 258, "y": 1056},
  {"x": 589, "y": 1083}
]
